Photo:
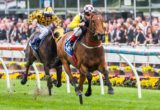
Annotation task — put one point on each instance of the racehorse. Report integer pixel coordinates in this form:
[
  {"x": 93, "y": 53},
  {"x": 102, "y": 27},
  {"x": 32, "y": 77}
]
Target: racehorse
[
  {"x": 89, "y": 55},
  {"x": 46, "y": 54}
]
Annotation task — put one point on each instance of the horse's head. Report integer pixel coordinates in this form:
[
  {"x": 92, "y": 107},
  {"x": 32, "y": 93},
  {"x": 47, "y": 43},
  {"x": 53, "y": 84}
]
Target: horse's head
[
  {"x": 54, "y": 26},
  {"x": 96, "y": 27}
]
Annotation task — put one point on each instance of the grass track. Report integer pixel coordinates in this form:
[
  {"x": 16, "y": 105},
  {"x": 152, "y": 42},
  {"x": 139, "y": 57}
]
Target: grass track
[{"x": 124, "y": 98}]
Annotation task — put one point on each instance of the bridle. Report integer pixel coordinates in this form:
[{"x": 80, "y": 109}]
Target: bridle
[
  {"x": 96, "y": 36},
  {"x": 91, "y": 29}
]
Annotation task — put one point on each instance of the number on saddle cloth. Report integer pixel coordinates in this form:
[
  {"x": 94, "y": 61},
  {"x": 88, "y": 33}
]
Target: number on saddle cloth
[
  {"x": 67, "y": 47},
  {"x": 35, "y": 39},
  {"x": 34, "y": 43}
]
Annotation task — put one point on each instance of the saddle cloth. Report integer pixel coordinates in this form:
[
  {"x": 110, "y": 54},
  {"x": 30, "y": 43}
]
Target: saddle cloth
[{"x": 68, "y": 46}]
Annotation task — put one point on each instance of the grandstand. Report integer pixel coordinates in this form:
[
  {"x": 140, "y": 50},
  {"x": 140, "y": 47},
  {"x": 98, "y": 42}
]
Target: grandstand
[{"x": 73, "y": 6}]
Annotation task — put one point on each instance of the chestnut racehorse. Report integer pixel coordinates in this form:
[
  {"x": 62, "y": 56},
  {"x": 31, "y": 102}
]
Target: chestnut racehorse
[{"x": 89, "y": 53}]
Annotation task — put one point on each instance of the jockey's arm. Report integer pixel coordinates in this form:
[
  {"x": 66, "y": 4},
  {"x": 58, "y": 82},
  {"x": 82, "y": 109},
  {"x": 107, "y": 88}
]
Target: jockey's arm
[{"x": 75, "y": 22}]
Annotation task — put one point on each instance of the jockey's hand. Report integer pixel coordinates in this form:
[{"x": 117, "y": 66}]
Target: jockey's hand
[
  {"x": 82, "y": 24},
  {"x": 55, "y": 24}
]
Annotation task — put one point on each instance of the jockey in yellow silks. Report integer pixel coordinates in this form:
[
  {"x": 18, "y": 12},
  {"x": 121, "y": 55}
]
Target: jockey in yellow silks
[
  {"x": 76, "y": 24},
  {"x": 46, "y": 20}
]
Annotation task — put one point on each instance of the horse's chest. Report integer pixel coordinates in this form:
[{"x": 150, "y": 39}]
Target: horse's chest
[
  {"x": 91, "y": 58},
  {"x": 90, "y": 61}
]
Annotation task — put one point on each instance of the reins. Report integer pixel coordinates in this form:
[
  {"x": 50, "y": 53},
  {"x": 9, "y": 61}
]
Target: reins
[{"x": 91, "y": 31}]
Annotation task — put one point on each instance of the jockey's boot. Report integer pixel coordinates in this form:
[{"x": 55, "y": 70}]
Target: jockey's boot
[
  {"x": 69, "y": 45},
  {"x": 35, "y": 43},
  {"x": 72, "y": 40}
]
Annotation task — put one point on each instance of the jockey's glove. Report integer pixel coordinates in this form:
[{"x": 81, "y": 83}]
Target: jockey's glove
[{"x": 82, "y": 24}]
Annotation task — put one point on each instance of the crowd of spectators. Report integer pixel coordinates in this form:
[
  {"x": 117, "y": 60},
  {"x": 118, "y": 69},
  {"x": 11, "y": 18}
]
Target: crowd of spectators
[
  {"x": 15, "y": 31},
  {"x": 134, "y": 31},
  {"x": 129, "y": 31}
]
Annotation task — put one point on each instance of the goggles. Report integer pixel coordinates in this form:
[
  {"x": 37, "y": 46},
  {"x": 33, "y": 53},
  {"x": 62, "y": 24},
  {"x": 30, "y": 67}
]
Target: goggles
[{"x": 47, "y": 15}]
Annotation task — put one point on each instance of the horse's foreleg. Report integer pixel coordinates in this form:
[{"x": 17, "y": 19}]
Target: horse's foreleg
[
  {"x": 89, "y": 90},
  {"x": 49, "y": 81},
  {"x": 81, "y": 81},
  {"x": 58, "y": 83},
  {"x": 24, "y": 79},
  {"x": 108, "y": 83},
  {"x": 72, "y": 80}
]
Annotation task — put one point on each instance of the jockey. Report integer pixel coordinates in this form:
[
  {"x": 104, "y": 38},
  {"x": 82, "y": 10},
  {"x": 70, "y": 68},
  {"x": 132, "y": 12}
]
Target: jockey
[
  {"x": 46, "y": 20},
  {"x": 76, "y": 24}
]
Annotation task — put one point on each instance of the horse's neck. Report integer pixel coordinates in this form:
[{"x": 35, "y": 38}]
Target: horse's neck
[{"x": 87, "y": 40}]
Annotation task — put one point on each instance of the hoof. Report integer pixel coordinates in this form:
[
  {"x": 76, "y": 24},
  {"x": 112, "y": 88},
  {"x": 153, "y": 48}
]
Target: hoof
[
  {"x": 88, "y": 93},
  {"x": 23, "y": 81},
  {"x": 111, "y": 91},
  {"x": 56, "y": 83},
  {"x": 50, "y": 94}
]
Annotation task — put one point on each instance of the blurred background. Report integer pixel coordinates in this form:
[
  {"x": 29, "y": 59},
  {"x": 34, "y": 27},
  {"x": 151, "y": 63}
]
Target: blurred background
[{"x": 118, "y": 8}]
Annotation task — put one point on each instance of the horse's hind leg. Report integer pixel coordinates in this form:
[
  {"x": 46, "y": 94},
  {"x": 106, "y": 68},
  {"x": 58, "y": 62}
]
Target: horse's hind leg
[
  {"x": 110, "y": 89},
  {"x": 89, "y": 90},
  {"x": 49, "y": 81},
  {"x": 24, "y": 79},
  {"x": 58, "y": 83}
]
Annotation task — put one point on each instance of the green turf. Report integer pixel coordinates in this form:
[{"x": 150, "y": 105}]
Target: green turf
[{"x": 23, "y": 98}]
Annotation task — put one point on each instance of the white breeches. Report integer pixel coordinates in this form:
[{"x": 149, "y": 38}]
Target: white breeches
[
  {"x": 77, "y": 31},
  {"x": 44, "y": 30}
]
